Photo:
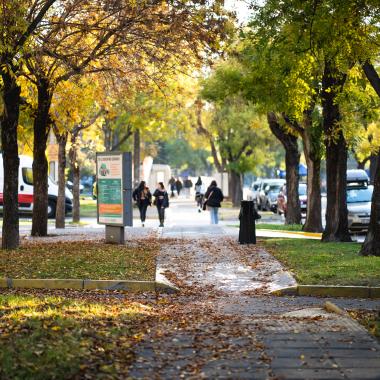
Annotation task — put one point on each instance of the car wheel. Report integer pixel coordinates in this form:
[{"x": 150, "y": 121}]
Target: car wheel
[{"x": 51, "y": 209}]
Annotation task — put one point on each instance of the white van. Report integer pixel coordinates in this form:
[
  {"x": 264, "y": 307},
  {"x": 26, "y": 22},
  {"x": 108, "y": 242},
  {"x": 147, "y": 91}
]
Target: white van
[{"x": 25, "y": 190}]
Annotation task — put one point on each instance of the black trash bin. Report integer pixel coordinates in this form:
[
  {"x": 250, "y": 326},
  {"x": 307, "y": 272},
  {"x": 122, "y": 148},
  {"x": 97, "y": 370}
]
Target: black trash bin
[{"x": 248, "y": 216}]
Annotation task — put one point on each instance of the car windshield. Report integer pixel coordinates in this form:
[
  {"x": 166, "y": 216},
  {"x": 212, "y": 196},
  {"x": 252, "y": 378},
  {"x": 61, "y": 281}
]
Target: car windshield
[
  {"x": 359, "y": 195},
  {"x": 302, "y": 190}
]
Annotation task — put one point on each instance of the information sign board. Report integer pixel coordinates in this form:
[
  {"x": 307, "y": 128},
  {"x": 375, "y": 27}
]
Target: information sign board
[{"x": 114, "y": 172}]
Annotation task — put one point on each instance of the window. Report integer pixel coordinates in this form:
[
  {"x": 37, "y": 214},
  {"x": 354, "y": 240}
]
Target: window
[
  {"x": 27, "y": 176},
  {"x": 359, "y": 195}
]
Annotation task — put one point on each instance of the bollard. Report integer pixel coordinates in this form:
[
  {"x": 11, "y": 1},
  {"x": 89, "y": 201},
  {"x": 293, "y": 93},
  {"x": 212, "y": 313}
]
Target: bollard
[{"x": 248, "y": 215}]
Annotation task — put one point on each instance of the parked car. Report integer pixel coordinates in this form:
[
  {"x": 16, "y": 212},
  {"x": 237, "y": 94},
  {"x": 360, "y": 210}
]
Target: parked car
[
  {"x": 25, "y": 191},
  {"x": 266, "y": 196},
  {"x": 359, "y": 196},
  {"x": 70, "y": 186},
  {"x": 252, "y": 191},
  {"x": 282, "y": 199}
]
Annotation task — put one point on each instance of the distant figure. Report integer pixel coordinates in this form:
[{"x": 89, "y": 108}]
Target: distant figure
[
  {"x": 172, "y": 186},
  {"x": 143, "y": 198},
  {"x": 161, "y": 201},
  {"x": 187, "y": 184},
  {"x": 178, "y": 185},
  {"x": 199, "y": 193},
  {"x": 213, "y": 198}
]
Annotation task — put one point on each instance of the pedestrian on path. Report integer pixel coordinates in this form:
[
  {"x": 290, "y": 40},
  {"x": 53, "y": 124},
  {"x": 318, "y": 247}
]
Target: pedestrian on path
[
  {"x": 143, "y": 198},
  {"x": 213, "y": 198},
  {"x": 187, "y": 184},
  {"x": 172, "y": 186},
  {"x": 161, "y": 201},
  {"x": 199, "y": 193},
  {"x": 178, "y": 185}
]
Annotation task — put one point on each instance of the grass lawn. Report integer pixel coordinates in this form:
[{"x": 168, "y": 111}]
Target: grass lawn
[
  {"x": 313, "y": 262},
  {"x": 54, "y": 337},
  {"x": 91, "y": 260},
  {"x": 88, "y": 208}
]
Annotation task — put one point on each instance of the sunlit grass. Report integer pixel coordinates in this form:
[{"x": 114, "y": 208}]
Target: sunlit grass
[{"x": 61, "y": 338}]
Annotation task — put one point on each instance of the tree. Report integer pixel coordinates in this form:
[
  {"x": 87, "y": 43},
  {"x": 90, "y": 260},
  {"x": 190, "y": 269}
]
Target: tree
[
  {"x": 19, "y": 21},
  {"x": 236, "y": 135},
  {"x": 371, "y": 245},
  {"x": 74, "y": 109},
  {"x": 292, "y": 161},
  {"x": 88, "y": 37}
]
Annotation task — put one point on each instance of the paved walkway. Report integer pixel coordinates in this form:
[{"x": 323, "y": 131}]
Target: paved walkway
[{"x": 225, "y": 325}]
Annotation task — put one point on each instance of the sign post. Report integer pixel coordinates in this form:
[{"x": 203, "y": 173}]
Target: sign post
[{"x": 114, "y": 187}]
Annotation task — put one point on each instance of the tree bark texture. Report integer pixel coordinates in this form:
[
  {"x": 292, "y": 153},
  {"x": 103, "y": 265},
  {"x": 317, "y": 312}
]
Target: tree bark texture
[
  {"x": 292, "y": 160},
  {"x": 60, "y": 210},
  {"x": 372, "y": 168},
  {"x": 75, "y": 169},
  {"x": 9, "y": 123},
  {"x": 371, "y": 245},
  {"x": 235, "y": 187},
  {"x": 107, "y": 135},
  {"x": 136, "y": 157},
  {"x": 313, "y": 222},
  {"x": 40, "y": 164},
  {"x": 336, "y": 158}
]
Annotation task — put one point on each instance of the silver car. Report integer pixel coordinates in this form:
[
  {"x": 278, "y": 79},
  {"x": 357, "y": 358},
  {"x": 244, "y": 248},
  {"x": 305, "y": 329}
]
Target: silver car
[{"x": 359, "y": 208}]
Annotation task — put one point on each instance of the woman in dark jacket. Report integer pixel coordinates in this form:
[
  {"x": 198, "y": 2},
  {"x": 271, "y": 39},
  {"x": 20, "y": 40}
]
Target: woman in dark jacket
[
  {"x": 161, "y": 201},
  {"x": 213, "y": 198},
  {"x": 143, "y": 198}
]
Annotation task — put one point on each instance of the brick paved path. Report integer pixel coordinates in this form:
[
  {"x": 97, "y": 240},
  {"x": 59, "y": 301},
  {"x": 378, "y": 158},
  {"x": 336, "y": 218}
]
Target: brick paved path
[{"x": 224, "y": 325}]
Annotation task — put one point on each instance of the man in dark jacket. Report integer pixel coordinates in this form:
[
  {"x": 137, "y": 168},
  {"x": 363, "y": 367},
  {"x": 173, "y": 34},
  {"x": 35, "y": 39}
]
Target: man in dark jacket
[{"x": 213, "y": 198}]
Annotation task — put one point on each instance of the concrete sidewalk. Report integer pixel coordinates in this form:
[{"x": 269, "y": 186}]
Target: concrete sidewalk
[{"x": 227, "y": 326}]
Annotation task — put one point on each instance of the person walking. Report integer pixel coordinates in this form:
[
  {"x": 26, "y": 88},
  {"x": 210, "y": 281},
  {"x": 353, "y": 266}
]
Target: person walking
[
  {"x": 213, "y": 198},
  {"x": 178, "y": 186},
  {"x": 161, "y": 201},
  {"x": 172, "y": 186},
  {"x": 199, "y": 193},
  {"x": 143, "y": 198},
  {"x": 187, "y": 184}
]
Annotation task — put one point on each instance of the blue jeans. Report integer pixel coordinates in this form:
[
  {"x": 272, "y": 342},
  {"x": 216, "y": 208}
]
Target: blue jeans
[{"x": 214, "y": 215}]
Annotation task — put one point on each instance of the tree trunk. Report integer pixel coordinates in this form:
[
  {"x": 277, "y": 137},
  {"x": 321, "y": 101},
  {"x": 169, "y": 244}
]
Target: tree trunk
[
  {"x": 235, "y": 187},
  {"x": 60, "y": 211},
  {"x": 372, "y": 168},
  {"x": 40, "y": 163},
  {"x": 336, "y": 158},
  {"x": 9, "y": 123},
  {"x": 136, "y": 157},
  {"x": 107, "y": 135},
  {"x": 75, "y": 169},
  {"x": 292, "y": 160},
  {"x": 371, "y": 245},
  {"x": 361, "y": 164},
  {"x": 313, "y": 221}
]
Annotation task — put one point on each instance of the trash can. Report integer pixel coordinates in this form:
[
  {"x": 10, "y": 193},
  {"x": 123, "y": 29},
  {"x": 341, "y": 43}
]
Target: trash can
[{"x": 248, "y": 216}]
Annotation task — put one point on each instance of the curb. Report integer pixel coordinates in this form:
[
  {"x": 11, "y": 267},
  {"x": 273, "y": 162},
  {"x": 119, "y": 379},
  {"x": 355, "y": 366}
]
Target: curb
[
  {"x": 124, "y": 285},
  {"x": 307, "y": 234},
  {"x": 330, "y": 291},
  {"x": 163, "y": 285}
]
